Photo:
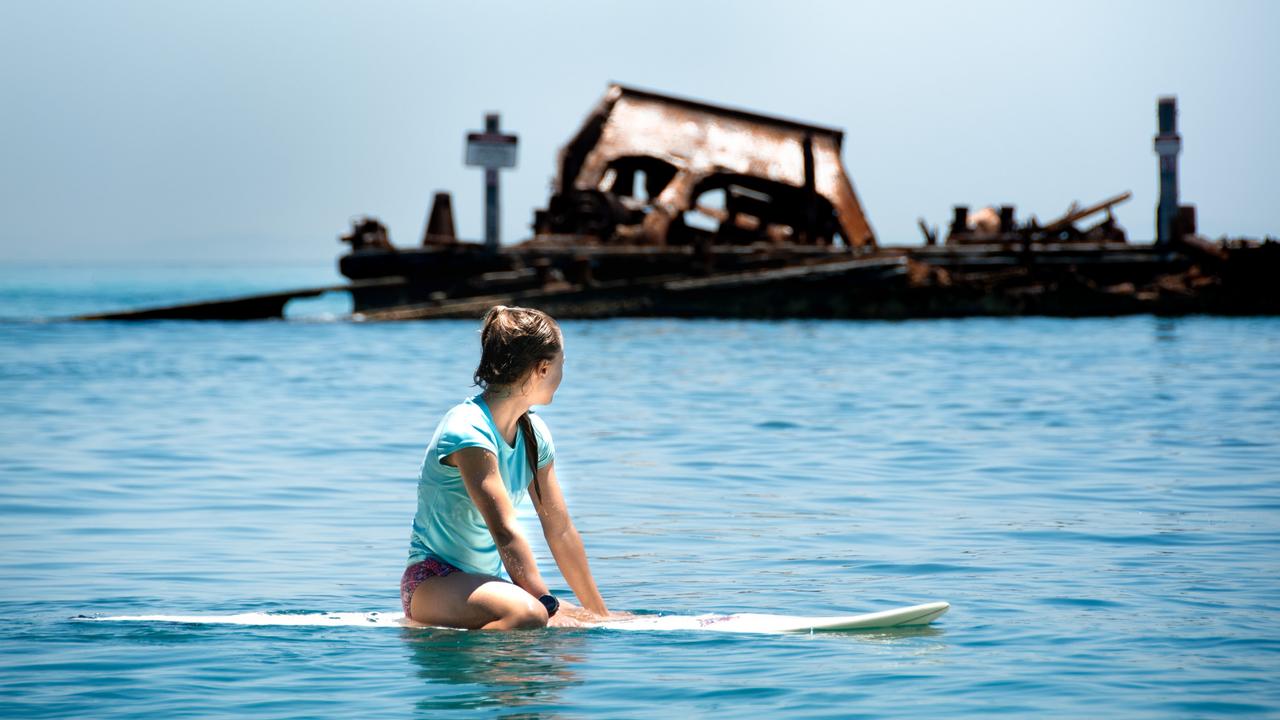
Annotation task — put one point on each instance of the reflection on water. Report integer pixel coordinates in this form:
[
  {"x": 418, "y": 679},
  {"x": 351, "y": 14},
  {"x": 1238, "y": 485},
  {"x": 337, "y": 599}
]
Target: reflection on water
[
  {"x": 490, "y": 670},
  {"x": 890, "y": 636},
  {"x": 1166, "y": 329}
]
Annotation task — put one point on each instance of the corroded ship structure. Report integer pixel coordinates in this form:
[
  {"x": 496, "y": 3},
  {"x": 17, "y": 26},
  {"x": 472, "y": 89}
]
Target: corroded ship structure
[{"x": 665, "y": 206}]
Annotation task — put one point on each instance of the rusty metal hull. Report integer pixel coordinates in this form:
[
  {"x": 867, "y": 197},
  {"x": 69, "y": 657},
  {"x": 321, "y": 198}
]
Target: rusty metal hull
[
  {"x": 465, "y": 270},
  {"x": 249, "y": 307},
  {"x": 894, "y": 283}
]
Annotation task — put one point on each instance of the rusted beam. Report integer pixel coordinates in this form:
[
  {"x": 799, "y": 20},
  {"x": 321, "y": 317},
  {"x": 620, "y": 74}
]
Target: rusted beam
[
  {"x": 1076, "y": 214},
  {"x": 761, "y": 277}
]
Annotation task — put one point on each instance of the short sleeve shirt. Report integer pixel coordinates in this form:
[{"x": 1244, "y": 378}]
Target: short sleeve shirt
[{"x": 448, "y": 526}]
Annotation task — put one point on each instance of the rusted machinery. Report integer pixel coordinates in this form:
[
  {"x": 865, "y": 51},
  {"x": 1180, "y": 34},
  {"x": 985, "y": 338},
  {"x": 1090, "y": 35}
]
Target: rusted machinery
[
  {"x": 368, "y": 234},
  {"x": 657, "y": 170},
  {"x": 991, "y": 225}
]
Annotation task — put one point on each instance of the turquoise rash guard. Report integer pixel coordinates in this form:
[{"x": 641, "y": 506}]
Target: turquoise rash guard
[{"x": 448, "y": 526}]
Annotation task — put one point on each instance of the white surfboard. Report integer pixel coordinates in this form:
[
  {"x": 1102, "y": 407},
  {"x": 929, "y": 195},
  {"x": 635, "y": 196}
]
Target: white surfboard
[
  {"x": 762, "y": 623},
  {"x": 738, "y": 623}
]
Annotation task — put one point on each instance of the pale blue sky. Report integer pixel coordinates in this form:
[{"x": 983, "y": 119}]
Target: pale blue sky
[{"x": 247, "y": 132}]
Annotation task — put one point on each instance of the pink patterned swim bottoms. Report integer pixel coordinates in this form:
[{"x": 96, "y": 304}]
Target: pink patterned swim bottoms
[{"x": 416, "y": 573}]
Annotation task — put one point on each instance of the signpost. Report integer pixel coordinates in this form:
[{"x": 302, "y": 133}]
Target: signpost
[
  {"x": 491, "y": 150},
  {"x": 1168, "y": 143}
]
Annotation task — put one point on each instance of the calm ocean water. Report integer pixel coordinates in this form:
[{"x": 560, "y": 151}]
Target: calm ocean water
[{"x": 1098, "y": 499}]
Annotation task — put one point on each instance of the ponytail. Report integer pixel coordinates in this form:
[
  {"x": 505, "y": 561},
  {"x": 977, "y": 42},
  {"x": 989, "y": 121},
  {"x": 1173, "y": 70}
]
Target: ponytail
[{"x": 531, "y": 452}]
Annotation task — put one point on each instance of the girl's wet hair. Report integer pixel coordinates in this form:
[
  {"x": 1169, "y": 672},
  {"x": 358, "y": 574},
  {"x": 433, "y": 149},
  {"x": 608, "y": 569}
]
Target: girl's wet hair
[{"x": 512, "y": 341}]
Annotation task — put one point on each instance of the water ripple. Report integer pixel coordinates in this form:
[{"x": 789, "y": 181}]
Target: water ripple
[{"x": 1096, "y": 498}]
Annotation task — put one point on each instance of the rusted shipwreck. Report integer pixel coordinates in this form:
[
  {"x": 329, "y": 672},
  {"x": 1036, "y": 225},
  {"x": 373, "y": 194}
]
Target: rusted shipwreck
[
  {"x": 664, "y": 206},
  {"x": 671, "y": 207}
]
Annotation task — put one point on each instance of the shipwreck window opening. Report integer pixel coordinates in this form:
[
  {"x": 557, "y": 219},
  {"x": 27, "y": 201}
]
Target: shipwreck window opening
[
  {"x": 639, "y": 190},
  {"x": 708, "y": 211},
  {"x": 639, "y": 177}
]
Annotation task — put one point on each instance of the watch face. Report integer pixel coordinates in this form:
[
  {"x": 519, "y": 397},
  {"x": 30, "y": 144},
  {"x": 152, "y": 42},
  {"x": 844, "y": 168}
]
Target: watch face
[{"x": 551, "y": 603}]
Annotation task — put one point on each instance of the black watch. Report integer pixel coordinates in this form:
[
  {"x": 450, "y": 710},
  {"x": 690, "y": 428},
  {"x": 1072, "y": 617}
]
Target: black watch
[{"x": 550, "y": 603}]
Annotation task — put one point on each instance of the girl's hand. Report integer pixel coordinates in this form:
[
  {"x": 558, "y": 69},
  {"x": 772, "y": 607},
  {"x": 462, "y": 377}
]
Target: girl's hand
[
  {"x": 570, "y": 615},
  {"x": 574, "y": 616}
]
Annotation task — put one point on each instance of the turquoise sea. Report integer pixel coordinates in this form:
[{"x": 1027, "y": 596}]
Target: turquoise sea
[{"x": 1099, "y": 500}]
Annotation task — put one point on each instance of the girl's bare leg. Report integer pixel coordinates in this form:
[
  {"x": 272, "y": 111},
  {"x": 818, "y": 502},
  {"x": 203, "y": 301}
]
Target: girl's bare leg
[{"x": 475, "y": 602}]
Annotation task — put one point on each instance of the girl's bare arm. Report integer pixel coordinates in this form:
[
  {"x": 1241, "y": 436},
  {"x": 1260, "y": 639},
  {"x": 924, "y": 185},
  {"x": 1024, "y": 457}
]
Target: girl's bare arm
[
  {"x": 564, "y": 541},
  {"x": 484, "y": 484}
]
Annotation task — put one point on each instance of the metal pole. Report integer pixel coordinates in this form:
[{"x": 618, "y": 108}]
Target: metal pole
[
  {"x": 491, "y": 212},
  {"x": 1167, "y": 145}
]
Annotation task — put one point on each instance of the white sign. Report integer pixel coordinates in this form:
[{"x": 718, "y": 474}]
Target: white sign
[{"x": 491, "y": 150}]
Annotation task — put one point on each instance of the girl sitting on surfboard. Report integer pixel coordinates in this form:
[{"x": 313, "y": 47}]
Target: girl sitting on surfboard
[{"x": 486, "y": 453}]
